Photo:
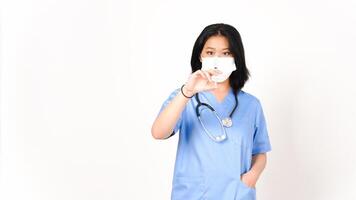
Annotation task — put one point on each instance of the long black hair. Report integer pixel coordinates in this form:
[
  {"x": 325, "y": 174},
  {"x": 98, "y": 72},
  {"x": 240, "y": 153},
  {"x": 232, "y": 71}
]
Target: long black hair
[{"x": 238, "y": 77}]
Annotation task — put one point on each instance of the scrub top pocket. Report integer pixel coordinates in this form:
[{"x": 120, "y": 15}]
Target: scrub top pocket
[
  {"x": 188, "y": 188},
  {"x": 245, "y": 192}
]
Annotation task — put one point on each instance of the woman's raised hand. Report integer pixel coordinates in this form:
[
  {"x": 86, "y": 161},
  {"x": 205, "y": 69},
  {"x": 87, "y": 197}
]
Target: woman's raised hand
[{"x": 199, "y": 81}]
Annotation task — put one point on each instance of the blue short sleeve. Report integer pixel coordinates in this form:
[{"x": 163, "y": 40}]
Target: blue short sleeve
[
  {"x": 261, "y": 143},
  {"x": 165, "y": 103}
]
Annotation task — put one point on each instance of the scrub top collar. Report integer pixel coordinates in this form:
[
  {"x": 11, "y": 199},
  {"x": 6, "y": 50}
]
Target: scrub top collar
[{"x": 228, "y": 99}]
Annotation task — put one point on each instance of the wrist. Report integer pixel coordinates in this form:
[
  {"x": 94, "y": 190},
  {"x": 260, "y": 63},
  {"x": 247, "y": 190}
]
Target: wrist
[{"x": 187, "y": 92}]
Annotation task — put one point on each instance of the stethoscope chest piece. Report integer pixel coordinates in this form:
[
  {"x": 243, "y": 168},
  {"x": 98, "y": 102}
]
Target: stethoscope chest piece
[{"x": 227, "y": 122}]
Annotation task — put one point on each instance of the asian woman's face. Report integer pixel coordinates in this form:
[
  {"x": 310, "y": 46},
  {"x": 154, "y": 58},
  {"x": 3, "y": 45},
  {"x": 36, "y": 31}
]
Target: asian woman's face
[{"x": 216, "y": 46}]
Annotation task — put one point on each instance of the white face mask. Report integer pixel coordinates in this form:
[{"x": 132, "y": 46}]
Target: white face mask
[{"x": 225, "y": 64}]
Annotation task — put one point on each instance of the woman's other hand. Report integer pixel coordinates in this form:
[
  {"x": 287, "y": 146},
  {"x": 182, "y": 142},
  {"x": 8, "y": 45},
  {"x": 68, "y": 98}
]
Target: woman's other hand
[{"x": 249, "y": 179}]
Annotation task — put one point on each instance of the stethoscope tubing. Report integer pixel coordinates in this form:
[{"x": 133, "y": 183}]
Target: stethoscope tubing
[{"x": 199, "y": 103}]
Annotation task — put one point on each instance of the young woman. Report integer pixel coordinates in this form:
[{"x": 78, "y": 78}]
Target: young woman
[{"x": 223, "y": 137}]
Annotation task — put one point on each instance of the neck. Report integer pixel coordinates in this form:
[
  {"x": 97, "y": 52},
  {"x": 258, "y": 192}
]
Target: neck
[{"x": 223, "y": 87}]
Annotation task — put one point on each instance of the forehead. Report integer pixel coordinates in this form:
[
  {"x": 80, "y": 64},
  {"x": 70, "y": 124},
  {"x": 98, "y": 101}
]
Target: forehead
[{"x": 217, "y": 42}]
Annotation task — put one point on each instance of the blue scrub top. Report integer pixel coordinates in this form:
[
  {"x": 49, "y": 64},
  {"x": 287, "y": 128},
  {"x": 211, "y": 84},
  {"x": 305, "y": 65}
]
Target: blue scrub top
[{"x": 205, "y": 169}]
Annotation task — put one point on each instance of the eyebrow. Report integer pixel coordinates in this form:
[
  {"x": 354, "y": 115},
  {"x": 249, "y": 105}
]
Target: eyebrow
[{"x": 214, "y": 48}]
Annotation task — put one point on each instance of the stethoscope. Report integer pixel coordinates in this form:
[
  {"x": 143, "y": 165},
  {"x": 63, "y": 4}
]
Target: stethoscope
[{"x": 224, "y": 123}]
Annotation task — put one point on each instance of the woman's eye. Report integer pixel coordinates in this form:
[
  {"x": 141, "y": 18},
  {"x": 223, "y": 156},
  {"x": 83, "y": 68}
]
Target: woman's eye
[
  {"x": 209, "y": 52},
  {"x": 227, "y": 53}
]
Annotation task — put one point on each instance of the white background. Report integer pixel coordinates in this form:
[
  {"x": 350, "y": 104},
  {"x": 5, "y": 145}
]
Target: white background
[{"x": 82, "y": 82}]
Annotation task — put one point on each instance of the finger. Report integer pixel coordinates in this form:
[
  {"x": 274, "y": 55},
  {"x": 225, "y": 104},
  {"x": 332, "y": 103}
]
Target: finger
[
  {"x": 202, "y": 74},
  {"x": 214, "y": 71},
  {"x": 211, "y": 71},
  {"x": 196, "y": 74},
  {"x": 213, "y": 85},
  {"x": 207, "y": 75}
]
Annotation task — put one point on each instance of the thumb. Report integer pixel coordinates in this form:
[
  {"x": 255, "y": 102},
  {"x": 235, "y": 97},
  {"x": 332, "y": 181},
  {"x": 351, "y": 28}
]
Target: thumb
[{"x": 213, "y": 85}]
